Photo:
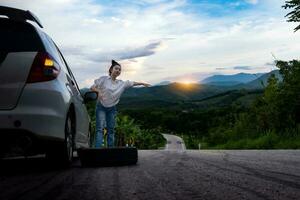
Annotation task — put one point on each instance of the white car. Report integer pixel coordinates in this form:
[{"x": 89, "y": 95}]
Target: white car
[{"x": 41, "y": 107}]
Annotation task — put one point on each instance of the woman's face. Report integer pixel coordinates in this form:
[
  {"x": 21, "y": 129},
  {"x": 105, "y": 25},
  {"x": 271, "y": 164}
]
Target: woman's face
[{"x": 116, "y": 71}]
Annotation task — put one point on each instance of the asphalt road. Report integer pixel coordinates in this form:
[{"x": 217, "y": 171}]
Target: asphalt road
[
  {"x": 174, "y": 142},
  {"x": 160, "y": 174}
]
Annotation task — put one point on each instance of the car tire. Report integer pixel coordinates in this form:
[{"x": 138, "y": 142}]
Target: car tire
[
  {"x": 62, "y": 153},
  {"x": 93, "y": 157}
]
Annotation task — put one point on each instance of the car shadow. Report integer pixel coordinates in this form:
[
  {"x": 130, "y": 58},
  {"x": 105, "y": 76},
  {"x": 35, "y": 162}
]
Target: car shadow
[{"x": 21, "y": 165}]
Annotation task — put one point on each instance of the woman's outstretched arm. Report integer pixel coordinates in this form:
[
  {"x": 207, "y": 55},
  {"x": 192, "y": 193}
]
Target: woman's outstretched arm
[{"x": 141, "y": 83}]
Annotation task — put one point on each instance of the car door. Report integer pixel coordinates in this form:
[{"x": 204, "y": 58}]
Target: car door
[{"x": 82, "y": 116}]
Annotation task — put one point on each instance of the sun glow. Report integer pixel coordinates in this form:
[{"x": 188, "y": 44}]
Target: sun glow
[{"x": 186, "y": 82}]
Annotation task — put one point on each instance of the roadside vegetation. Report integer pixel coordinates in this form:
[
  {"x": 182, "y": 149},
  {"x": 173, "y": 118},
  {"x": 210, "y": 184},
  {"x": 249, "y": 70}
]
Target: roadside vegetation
[{"x": 129, "y": 133}]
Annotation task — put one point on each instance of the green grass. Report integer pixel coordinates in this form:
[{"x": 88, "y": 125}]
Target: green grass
[{"x": 267, "y": 141}]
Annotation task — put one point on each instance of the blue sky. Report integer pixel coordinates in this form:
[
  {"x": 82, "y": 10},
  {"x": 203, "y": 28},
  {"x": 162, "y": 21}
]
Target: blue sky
[
  {"x": 175, "y": 40},
  {"x": 220, "y": 8}
]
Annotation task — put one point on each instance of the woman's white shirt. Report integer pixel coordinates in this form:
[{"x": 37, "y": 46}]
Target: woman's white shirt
[{"x": 110, "y": 91}]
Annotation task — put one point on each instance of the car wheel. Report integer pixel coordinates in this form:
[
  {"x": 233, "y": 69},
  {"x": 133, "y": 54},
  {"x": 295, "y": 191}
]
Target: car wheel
[{"x": 62, "y": 153}]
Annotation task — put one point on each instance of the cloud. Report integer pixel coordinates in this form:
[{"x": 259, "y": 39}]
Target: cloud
[
  {"x": 93, "y": 21},
  {"x": 242, "y": 67},
  {"x": 235, "y": 68},
  {"x": 94, "y": 55},
  {"x": 270, "y": 64},
  {"x": 221, "y": 68},
  {"x": 147, "y": 50},
  {"x": 192, "y": 77}
]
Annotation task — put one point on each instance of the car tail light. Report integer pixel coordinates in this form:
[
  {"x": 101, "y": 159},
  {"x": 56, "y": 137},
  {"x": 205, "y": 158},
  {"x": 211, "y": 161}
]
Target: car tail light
[{"x": 44, "y": 68}]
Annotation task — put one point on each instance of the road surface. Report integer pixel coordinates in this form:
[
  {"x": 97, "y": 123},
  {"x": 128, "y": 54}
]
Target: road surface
[
  {"x": 205, "y": 174},
  {"x": 174, "y": 142}
]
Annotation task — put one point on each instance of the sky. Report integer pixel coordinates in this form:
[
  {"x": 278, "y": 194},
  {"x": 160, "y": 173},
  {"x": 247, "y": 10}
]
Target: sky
[{"x": 166, "y": 40}]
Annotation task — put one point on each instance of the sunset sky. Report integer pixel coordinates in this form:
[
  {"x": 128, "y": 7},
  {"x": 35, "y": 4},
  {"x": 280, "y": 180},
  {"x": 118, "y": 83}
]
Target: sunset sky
[{"x": 159, "y": 40}]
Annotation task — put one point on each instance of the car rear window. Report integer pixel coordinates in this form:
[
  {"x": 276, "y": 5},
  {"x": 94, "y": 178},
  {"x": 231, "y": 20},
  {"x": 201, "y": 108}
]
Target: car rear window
[{"x": 18, "y": 37}]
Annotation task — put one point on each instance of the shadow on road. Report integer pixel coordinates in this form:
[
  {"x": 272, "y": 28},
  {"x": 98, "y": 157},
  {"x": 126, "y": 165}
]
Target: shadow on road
[
  {"x": 15, "y": 166},
  {"x": 22, "y": 166}
]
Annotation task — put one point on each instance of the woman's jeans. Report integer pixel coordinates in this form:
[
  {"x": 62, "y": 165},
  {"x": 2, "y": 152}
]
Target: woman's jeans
[{"x": 105, "y": 118}]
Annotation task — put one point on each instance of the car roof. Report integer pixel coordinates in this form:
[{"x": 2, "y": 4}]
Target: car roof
[{"x": 19, "y": 15}]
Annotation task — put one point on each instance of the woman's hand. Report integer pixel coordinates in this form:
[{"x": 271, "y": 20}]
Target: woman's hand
[
  {"x": 146, "y": 84},
  {"x": 94, "y": 89},
  {"x": 141, "y": 83}
]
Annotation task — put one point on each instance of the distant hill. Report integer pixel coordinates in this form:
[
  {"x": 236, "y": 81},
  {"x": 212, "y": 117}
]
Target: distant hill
[
  {"x": 260, "y": 82},
  {"x": 173, "y": 92},
  {"x": 223, "y": 83},
  {"x": 164, "y": 83},
  {"x": 222, "y": 99},
  {"x": 242, "y": 97},
  {"x": 229, "y": 80}
]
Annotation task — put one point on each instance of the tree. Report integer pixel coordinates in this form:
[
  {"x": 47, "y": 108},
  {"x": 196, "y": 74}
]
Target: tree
[
  {"x": 294, "y": 15},
  {"x": 268, "y": 110},
  {"x": 289, "y": 95}
]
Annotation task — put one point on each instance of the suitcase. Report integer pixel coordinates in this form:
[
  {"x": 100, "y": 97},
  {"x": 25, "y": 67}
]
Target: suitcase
[{"x": 115, "y": 156}]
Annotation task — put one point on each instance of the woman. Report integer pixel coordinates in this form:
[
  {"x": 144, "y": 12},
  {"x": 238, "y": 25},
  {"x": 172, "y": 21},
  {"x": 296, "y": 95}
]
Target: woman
[{"x": 109, "y": 92}]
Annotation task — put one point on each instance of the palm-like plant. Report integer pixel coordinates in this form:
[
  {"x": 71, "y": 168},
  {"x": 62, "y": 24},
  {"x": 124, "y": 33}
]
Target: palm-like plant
[{"x": 126, "y": 131}]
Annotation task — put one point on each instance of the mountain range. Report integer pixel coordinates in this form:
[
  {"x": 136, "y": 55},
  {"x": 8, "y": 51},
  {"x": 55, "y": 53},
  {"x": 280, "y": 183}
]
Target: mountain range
[
  {"x": 229, "y": 80},
  {"x": 167, "y": 92}
]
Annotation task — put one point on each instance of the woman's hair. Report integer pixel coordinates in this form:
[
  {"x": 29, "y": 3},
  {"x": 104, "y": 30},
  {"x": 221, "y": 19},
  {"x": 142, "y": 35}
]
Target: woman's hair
[{"x": 113, "y": 63}]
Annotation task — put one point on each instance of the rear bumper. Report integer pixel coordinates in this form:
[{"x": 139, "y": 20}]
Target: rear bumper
[
  {"x": 42, "y": 110},
  {"x": 37, "y": 120},
  {"x": 42, "y": 122}
]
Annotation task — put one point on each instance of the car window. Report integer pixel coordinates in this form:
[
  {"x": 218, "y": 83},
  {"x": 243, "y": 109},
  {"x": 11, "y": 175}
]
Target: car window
[{"x": 18, "y": 37}]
